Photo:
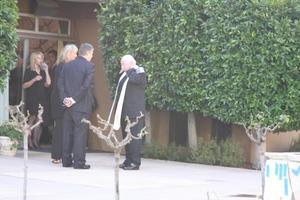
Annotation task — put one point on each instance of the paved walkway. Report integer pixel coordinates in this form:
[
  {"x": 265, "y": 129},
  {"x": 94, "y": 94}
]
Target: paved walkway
[{"x": 156, "y": 180}]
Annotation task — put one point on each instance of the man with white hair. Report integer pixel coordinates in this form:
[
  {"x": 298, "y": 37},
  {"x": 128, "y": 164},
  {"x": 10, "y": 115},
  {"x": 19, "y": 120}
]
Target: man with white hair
[
  {"x": 74, "y": 85},
  {"x": 131, "y": 103},
  {"x": 68, "y": 53}
]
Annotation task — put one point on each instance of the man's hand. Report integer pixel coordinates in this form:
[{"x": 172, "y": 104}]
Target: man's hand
[{"x": 68, "y": 102}]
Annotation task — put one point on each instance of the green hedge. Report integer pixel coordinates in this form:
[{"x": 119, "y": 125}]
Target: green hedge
[
  {"x": 171, "y": 152},
  {"x": 252, "y": 60},
  {"x": 225, "y": 153},
  {"x": 8, "y": 38},
  {"x": 120, "y": 26},
  {"x": 207, "y": 152},
  {"x": 235, "y": 60},
  {"x": 162, "y": 35}
]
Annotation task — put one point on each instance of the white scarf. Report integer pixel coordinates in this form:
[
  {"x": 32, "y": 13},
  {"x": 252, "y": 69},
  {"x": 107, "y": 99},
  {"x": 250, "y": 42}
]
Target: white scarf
[{"x": 118, "y": 113}]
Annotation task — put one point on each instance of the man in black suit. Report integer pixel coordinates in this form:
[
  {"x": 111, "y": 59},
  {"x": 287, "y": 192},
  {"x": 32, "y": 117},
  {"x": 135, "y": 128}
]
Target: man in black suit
[
  {"x": 74, "y": 84},
  {"x": 131, "y": 103}
]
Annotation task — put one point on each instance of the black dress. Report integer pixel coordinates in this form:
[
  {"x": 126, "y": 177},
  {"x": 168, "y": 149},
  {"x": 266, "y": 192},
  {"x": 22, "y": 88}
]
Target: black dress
[{"x": 36, "y": 93}]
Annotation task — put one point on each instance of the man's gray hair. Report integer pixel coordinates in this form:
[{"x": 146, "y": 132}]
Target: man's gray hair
[
  {"x": 85, "y": 48},
  {"x": 68, "y": 48}
]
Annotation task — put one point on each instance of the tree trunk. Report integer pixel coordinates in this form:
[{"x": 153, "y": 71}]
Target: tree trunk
[
  {"x": 262, "y": 150},
  {"x": 148, "y": 137},
  {"x": 192, "y": 132},
  {"x": 25, "y": 152},
  {"x": 117, "y": 154}
]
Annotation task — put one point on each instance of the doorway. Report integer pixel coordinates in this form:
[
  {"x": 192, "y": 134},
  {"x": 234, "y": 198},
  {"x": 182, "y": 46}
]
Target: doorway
[
  {"x": 44, "y": 34},
  {"x": 16, "y": 93}
]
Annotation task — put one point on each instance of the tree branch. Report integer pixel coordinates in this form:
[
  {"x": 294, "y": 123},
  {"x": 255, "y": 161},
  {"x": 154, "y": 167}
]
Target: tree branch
[{"x": 111, "y": 138}]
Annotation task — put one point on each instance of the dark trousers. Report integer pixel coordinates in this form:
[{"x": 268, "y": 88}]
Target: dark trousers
[
  {"x": 133, "y": 149},
  {"x": 56, "y": 151},
  {"x": 74, "y": 138}
]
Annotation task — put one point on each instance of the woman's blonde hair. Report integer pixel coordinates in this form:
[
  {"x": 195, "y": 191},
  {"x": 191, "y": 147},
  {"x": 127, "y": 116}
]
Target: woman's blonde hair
[{"x": 33, "y": 57}]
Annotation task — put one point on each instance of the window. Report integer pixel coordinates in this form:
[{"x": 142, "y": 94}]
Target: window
[{"x": 43, "y": 25}]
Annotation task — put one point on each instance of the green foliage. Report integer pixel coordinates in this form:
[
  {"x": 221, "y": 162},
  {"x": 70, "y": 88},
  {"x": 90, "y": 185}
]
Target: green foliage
[
  {"x": 121, "y": 33},
  {"x": 174, "y": 52},
  {"x": 178, "y": 153},
  {"x": 226, "y": 153},
  {"x": 295, "y": 146},
  {"x": 155, "y": 150},
  {"x": 163, "y": 36},
  {"x": 234, "y": 60},
  {"x": 172, "y": 152},
  {"x": 252, "y": 61},
  {"x": 9, "y": 130},
  {"x": 8, "y": 38},
  {"x": 231, "y": 154},
  {"x": 207, "y": 152}
]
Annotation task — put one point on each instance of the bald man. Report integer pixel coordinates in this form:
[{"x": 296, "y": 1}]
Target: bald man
[{"x": 131, "y": 103}]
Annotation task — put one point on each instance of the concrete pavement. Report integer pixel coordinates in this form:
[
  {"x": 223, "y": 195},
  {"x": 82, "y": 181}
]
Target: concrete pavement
[{"x": 156, "y": 180}]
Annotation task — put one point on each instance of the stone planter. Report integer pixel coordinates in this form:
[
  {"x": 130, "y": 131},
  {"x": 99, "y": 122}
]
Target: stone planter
[{"x": 7, "y": 146}]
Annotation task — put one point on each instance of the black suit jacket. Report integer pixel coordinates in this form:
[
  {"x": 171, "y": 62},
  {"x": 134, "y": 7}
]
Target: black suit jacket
[
  {"x": 56, "y": 103},
  {"x": 134, "y": 100},
  {"x": 75, "y": 81}
]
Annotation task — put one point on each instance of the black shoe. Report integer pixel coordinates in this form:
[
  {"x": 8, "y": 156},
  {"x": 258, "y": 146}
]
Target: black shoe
[
  {"x": 131, "y": 166},
  {"x": 122, "y": 165},
  {"x": 68, "y": 165},
  {"x": 125, "y": 163},
  {"x": 82, "y": 167}
]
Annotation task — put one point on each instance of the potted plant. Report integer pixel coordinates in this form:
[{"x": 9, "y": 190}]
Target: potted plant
[{"x": 9, "y": 139}]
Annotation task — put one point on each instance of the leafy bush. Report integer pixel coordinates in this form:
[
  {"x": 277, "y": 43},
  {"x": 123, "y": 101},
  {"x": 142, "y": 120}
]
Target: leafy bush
[
  {"x": 225, "y": 153},
  {"x": 9, "y": 130},
  {"x": 230, "y": 59},
  {"x": 8, "y": 38},
  {"x": 122, "y": 31},
  {"x": 252, "y": 60},
  {"x": 155, "y": 150},
  {"x": 207, "y": 152},
  {"x": 295, "y": 146},
  {"x": 172, "y": 152},
  {"x": 231, "y": 154},
  {"x": 164, "y": 38},
  {"x": 178, "y": 153}
]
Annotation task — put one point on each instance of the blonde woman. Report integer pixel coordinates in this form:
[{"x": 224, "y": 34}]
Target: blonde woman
[
  {"x": 36, "y": 79},
  {"x": 68, "y": 53}
]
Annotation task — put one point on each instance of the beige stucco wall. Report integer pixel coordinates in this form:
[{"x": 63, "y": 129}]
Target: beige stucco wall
[
  {"x": 203, "y": 126},
  {"x": 88, "y": 32},
  {"x": 160, "y": 126},
  {"x": 278, "y": 142},
  {"x": 239, "y": 136},
  {"x": 281, "y": 142}
]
